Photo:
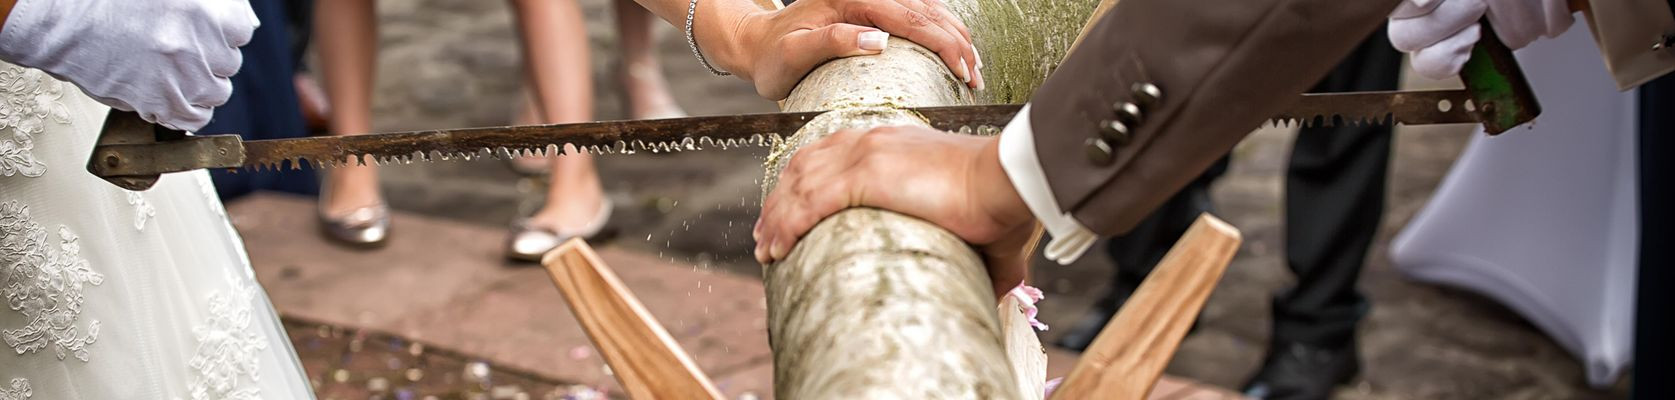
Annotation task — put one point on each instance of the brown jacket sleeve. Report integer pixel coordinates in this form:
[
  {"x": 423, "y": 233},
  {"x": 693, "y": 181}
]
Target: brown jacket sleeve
[
  {"x": 1632, "y": 35},
  {"x": 1161, "y": 88}
]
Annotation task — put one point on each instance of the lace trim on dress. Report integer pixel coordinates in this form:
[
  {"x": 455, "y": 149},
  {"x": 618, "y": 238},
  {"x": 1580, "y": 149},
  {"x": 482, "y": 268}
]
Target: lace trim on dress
[
  {"x": 143, "y": 210},
  {"x": 45, "y": 285},
  {"x": 228, "y": 357},
  {"x": 18, "y": 391},
  {"x": 28, "y": 99}
]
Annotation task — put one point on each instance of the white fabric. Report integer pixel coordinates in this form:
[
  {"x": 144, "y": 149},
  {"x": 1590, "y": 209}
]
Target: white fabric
[
  {"x": 1017, "y": 156},
  {"x": 111, "y": 294},
  {"x": 1544, "y": 219},
  {"x": 1439, "y": 34},
  {"x": 166, "y": 59}
]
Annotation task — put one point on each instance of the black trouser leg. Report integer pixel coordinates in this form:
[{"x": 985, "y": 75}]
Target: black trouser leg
[
  {"x": 1655, "y": 294},
  {"x": 1333, "y": 203}
]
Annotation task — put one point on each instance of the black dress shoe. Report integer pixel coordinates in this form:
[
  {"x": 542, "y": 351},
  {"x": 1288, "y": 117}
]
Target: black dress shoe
[{"x": 1296, "y": 371}]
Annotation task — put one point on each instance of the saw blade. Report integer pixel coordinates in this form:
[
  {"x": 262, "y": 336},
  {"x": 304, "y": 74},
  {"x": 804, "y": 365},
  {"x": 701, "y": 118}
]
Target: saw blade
[
  {"x": 609, "y": 137},
  {"x": 1420, "y": 107}
]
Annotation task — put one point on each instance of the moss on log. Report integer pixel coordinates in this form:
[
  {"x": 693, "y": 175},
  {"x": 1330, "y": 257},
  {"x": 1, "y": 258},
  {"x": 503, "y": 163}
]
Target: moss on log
[
  {"x": 873, "y": 304},
  {"x": 1021, "y": 41}
]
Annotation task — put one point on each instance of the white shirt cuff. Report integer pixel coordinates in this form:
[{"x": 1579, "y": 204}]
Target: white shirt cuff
[{"x": 1017, "y": 156}]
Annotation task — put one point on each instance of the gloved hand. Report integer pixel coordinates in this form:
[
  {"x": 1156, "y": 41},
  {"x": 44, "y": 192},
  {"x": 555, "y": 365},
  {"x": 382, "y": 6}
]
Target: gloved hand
[
  {"x": 1439, "y": 34},
  {"x": 168, "y": 60}
]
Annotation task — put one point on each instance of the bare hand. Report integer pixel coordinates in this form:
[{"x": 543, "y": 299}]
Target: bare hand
[
  {"x": 775, "y": 49},
  {"x": 953, "y": 181}
]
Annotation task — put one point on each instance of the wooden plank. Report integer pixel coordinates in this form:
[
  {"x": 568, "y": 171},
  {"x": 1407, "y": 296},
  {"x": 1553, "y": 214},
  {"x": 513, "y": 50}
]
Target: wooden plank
[
  {"x": 1129, "y": 355},
  {"x": 1023, "y": 348},
  {"x": 643, "y": 357}
]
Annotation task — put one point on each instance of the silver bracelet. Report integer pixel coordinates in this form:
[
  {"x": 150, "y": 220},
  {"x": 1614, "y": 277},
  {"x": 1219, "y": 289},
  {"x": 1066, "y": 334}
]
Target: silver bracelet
[{"x": 692, "y": 41}]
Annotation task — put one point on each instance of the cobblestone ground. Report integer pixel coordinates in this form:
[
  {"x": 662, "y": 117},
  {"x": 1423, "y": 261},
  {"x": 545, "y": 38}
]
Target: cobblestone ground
[{"x": 455, "y": 63}]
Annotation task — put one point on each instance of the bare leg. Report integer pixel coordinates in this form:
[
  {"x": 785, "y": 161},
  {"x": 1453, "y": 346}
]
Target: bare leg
[
  {"x": 347, "y": 54},
  {"x": 555, "y": 47},
  {"x": 529, "y": 113},
  {"x": 641, "y": 75}
]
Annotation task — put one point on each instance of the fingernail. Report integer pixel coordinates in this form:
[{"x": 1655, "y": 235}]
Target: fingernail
[
  {"x": 777, "y": 250},
  {"x": 979, "y": 58},
  {"x": 967, "y": 70},
  {"x": 873, "y": 40}
]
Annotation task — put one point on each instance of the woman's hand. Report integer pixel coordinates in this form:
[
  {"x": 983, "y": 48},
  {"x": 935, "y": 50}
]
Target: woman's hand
[
  {"x": 168, "y": 60},
  {"x": 953, "y": 181},
  {"x": 775, "y": 49}
]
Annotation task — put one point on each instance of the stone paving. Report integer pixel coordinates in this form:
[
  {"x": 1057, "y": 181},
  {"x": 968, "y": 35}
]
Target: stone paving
[
  {"x": 447, "y": 290},
  {"x": 454, "y": 63}
]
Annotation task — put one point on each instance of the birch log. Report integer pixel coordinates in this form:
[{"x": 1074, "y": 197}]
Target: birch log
[
  {"x": 872, "y": 304},
  {"x": 876, "y": 305}
]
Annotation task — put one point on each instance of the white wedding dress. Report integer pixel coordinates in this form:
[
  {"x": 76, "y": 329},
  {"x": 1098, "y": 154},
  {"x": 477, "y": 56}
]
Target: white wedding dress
[{"x": 112, "y": 294}]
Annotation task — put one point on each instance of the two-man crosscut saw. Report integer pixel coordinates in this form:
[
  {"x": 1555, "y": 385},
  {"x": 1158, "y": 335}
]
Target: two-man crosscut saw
[{"x": 132, "y": 153}]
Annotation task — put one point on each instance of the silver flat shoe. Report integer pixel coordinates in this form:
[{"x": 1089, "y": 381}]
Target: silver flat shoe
[
  {"x": 365, "y": 227},
  {"x": 529, "y": 243}
]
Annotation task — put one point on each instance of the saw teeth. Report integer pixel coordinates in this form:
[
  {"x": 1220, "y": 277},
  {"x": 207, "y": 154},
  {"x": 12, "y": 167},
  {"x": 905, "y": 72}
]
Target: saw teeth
[
  {"x": 504, "y": 153},
  {"x": 1332, "y": 120}
]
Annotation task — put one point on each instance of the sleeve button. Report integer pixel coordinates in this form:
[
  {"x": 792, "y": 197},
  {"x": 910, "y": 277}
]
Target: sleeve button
[
  {"x": 1115, "y": 132},
  {"x": 1147, "y": 94},
  {"x": 1100, "y": 152},
  {"x": 1129, "y": 113}
]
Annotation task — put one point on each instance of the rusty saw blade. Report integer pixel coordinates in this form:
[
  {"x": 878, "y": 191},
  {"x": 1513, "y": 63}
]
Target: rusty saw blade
[
  {"x": 131, "y": 152},
  {"x": 1495, "y": 95},
  {"x": 1419, "y": 107}
]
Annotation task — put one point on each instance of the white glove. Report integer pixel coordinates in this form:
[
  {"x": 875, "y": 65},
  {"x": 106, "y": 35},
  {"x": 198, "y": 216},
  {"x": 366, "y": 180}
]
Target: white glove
[
  {"x": 168, "y": 60},
  {"x": 1439, "y": 34}
]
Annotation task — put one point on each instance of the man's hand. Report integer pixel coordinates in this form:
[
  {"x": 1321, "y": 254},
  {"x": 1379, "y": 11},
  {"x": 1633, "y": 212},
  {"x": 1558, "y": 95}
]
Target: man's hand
[
  {"x": 1439, "y": 34},
  {"x": 168, "y": 60},
  {"x": 953, "y": 181},
  {"x": 775, "y": 49}
]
